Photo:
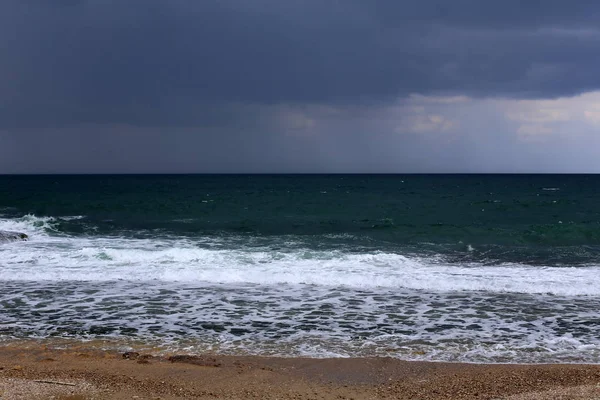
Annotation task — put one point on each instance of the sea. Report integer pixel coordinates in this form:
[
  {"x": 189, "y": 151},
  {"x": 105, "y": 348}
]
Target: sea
[{"x": 458, "y": 268}]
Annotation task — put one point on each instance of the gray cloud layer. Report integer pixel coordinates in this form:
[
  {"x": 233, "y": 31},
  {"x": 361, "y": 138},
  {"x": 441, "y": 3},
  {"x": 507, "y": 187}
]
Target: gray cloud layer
[
  {"x": 182, "y": 64},
  {"x": 157, "y": 62}
]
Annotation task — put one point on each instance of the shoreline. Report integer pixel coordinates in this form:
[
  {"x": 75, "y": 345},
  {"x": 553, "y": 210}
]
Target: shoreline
[
  {"x": 164, "y": 350},
  {"x": 80, "y": 372}
]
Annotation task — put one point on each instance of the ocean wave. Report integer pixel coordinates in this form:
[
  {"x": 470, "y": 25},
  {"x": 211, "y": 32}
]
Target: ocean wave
[
  {"x": 35, "y": 226},
  {"x": 112, "y": 259},
  {"x": 29, "y": 224},
  {"x": 288, "y": 320}
]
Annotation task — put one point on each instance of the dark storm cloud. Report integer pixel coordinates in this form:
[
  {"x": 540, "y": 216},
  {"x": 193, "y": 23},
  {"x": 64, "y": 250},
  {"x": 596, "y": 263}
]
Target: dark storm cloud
[
  {"x": 497, "y": 14},
  {"x": 164, "y": 63}
]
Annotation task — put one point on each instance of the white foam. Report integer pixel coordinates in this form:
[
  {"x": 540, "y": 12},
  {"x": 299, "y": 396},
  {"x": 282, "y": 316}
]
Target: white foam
[
  {"x": 374, "y": 303},
  {"x": 293, "y": 320},
  {"x": 72, "y": 218},
  {"x": 29, "y": 224},
  {"x": 51, "y": 258}
]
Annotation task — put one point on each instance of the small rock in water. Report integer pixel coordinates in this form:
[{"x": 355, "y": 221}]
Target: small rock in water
[{"x": 7, "y": 236}]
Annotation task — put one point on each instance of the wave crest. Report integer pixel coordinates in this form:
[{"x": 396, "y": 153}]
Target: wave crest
[{"x": 119, "y": 259}]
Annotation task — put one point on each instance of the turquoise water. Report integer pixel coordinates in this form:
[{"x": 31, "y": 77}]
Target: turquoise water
[{"x": 442, "y": 267}]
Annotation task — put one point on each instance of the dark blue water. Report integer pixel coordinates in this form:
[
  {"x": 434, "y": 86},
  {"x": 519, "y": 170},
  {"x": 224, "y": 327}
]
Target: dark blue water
[{"x": 514, "y": 217}]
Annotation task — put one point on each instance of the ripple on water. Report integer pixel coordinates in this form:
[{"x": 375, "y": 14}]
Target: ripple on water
[{"x": 294, "y": 320}]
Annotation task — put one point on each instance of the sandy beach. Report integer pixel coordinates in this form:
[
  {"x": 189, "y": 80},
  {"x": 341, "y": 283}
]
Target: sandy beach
[{"x": 79, "y": 373}]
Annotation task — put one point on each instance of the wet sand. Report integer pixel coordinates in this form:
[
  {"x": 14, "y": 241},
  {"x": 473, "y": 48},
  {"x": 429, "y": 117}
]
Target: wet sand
[{"x": 79, "y": 373}]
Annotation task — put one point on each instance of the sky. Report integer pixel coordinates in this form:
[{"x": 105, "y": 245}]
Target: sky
[{"x": 309, "y": 86}]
